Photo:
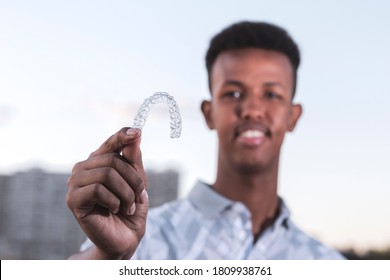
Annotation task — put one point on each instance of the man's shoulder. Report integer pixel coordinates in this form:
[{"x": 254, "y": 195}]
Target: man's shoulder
[
  {"x": 303, "y": 245},
  {"x": 168, "y": 212}
]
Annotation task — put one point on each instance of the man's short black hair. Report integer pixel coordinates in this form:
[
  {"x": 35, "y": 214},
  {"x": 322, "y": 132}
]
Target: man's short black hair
[{"x": 248, "y": 34}]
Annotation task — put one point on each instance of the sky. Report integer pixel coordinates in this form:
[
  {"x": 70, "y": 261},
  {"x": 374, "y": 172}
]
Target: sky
[{"x": 72, "y": 73}]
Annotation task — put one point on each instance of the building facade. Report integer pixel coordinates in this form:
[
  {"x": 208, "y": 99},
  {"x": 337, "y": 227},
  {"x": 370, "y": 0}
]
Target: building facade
[{"x": 35, "y": 222}]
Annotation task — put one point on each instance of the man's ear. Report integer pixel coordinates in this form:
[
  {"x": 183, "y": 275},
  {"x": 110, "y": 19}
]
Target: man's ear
[
  {"x": 207, "y": 113},
  {"x": 296, "y": 112}
]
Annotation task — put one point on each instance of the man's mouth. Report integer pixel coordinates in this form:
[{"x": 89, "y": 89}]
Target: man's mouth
[{"x": 252, "y": 136}]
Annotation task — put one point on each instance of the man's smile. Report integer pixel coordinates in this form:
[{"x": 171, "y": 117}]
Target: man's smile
[{"x": 251, "y": 134}]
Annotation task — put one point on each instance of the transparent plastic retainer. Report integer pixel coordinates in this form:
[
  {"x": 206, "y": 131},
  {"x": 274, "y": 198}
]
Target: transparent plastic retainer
[{"x": 160, "y": 97}]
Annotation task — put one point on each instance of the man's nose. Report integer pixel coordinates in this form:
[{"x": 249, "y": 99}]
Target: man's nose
[{"x": 252, "y": 107}]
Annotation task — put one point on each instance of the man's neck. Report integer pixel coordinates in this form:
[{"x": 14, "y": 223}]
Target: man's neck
[{"x": 257, "y": 191}]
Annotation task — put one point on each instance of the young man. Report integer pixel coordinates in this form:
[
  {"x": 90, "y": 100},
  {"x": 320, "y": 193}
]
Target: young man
[{"x": 252, "y": 70}]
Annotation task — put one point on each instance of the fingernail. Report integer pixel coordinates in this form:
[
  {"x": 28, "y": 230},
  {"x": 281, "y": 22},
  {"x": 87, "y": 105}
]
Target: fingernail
[
  {"x": 132, "y": 131},
  {"x": 143, "y": 197},
  {"x": 131, "y": 210}
]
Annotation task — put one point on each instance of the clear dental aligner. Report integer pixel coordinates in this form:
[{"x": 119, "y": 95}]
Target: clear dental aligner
[{"x": 160, "y": 97}]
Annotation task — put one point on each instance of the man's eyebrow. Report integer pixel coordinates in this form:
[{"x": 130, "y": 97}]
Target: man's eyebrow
[
  {"x": 273, "y": 84},
  {"x": 233, "y": 83},
  {"x": 266, "y": 84}
]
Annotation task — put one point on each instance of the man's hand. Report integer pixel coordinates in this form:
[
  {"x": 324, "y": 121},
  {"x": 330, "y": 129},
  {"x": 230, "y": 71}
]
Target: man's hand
[{"x": 107, "y": 194}]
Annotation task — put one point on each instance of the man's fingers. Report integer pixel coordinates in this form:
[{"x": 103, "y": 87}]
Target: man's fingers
[
  {"x": 84, "y": 200},
  {"x": 127, "y": 141},
  {"x": 134, "y": 174},
  {"x": 137, "y": 221},
  {"x": 118, "y": 141},
  {"x": 114, "y": 182}
]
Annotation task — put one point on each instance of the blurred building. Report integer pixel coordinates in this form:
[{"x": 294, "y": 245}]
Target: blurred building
[{"x": 35, "y": 222}]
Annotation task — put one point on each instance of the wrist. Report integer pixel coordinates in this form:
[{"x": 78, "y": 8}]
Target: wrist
[{"x": 99, "y": 254}]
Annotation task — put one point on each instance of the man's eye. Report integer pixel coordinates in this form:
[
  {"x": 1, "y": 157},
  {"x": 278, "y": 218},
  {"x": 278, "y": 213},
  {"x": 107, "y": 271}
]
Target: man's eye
[
  {"x": 234, "y": 94},
  {"x": 272, "y": 95}
]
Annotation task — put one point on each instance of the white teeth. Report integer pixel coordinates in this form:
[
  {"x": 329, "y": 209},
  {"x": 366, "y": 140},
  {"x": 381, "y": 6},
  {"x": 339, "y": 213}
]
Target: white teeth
[{"x": 252, "y": 133}]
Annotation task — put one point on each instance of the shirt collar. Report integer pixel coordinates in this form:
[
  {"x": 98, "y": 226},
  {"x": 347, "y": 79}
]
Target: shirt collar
[
  {"x": 207, "y": 200},
  {"x": 211, "y": 203},
  {"x": 283, "y": 218}
]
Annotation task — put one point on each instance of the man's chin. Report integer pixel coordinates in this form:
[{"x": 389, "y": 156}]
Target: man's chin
[{"x": 252, "y": 168}]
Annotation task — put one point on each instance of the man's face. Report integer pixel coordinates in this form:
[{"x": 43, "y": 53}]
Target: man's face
[{"x": 251, "y": 107}]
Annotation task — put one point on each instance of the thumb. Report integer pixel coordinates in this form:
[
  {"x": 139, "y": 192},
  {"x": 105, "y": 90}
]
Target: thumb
[
  {"x": 132, "y": 152},
  {"x": 118, "y": 141}
]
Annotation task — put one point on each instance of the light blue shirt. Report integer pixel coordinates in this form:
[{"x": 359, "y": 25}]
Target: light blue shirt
[{"x": 206, "y": 225}]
